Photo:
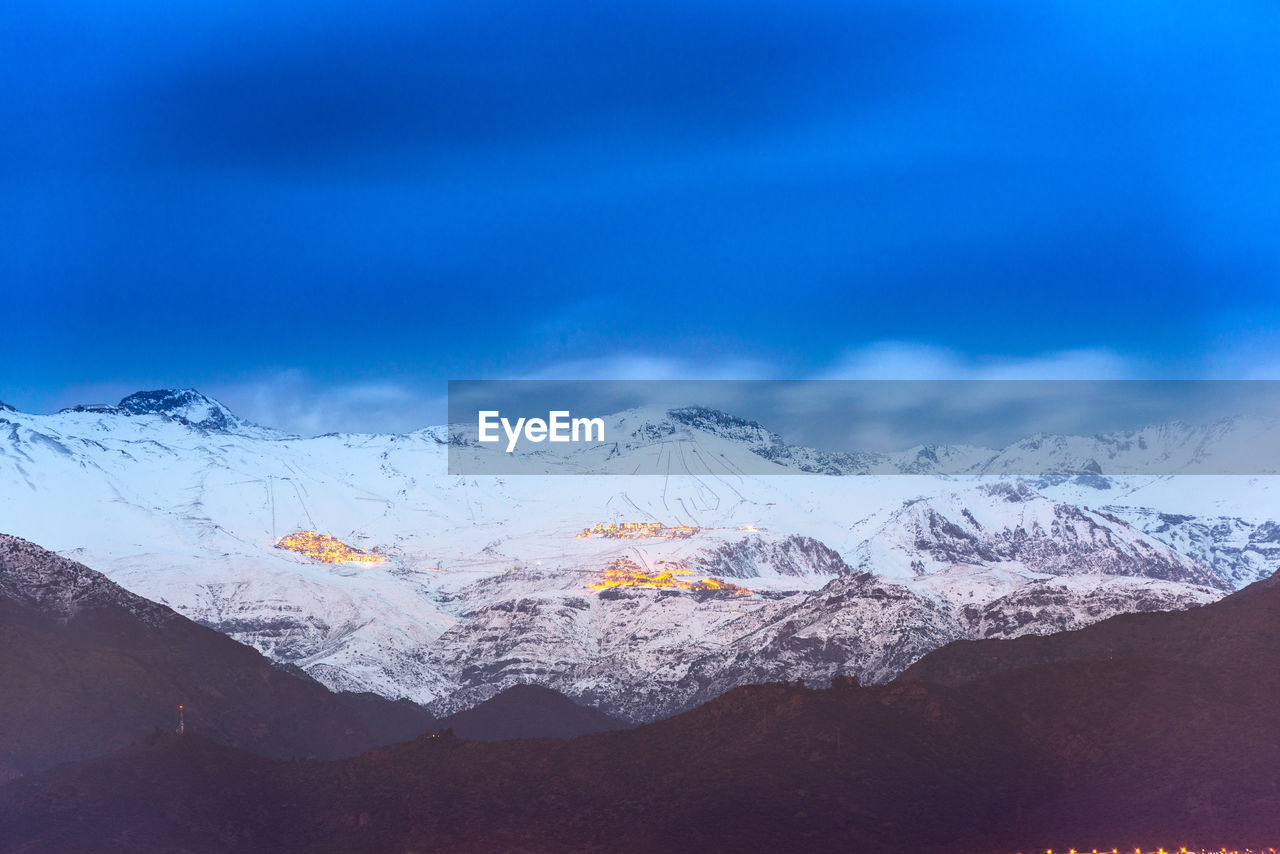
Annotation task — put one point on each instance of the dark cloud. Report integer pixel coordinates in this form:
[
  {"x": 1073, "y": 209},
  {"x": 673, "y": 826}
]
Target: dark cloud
[{"x": 411, "y": 77}]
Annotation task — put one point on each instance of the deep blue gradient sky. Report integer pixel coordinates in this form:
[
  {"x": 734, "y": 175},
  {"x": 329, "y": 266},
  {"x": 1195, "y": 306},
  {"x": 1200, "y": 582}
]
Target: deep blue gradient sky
[{"x": 320, "y": 212}]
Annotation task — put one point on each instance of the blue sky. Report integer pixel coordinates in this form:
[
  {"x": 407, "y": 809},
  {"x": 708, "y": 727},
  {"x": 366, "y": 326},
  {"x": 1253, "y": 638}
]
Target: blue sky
[{"x": 321, "y": 212}]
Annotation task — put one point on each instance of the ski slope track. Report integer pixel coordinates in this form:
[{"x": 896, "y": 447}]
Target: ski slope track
[{"x": 486, "y": 583}]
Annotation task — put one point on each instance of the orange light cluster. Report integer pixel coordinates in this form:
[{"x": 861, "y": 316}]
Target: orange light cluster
[
  {"x": 625, "y": 572},
  {"x": 719, "y": 584},
  {"x": 327, "y": 549},
  {"x": 638, "y": 531}
]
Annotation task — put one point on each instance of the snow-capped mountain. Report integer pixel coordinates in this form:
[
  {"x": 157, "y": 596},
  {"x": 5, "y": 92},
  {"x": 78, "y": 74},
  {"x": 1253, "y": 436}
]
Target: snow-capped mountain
[
  {"x": 1018, "y": 525},
  {"x": 1237, "y": 550},
  {"x": 186, "y": 406},
  {"x": 483, "y": 581}
]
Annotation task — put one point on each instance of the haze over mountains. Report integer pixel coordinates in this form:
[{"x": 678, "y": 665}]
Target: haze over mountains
[{"x": 486, "y": 585}]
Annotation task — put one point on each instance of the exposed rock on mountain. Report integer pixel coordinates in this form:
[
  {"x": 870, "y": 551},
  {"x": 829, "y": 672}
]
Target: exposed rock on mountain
[
  {"x": 794, "y": 556},
  {"x": 1239, "y": 551}
]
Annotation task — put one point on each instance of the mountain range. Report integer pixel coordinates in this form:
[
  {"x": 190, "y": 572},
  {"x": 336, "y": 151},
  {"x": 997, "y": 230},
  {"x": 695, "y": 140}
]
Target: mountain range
[
  {"x": 1142, "y": 730},
  {"x": 484, "y": 582}
]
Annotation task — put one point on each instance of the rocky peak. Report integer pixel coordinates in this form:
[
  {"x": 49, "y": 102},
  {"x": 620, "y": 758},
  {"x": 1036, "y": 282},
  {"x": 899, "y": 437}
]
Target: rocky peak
[{"x": 186, "y": 405}]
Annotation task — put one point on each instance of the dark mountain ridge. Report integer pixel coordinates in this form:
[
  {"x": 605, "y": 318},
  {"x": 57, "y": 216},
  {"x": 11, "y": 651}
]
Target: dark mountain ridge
[
  {"x": 88, "y": 667},
  {"x": 1225, "y": 636},
  {"x": 529, "y": 711}
]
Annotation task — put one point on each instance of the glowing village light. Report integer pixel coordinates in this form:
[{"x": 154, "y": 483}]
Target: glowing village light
[
  {"x": 637, "y": 531},
  {"x": 625, "y": 572},
  {"x": 326, "y": 549}
]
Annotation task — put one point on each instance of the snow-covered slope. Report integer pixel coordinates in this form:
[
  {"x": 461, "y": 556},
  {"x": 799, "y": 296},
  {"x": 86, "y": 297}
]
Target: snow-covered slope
[
  {"x": 1238, "y": 551},
  {"x": 486, "y": 582},
  {"x": 1009, "y": 522}
]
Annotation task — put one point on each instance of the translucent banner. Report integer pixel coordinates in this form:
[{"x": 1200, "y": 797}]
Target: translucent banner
[{"x": 864, "y": 427}]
